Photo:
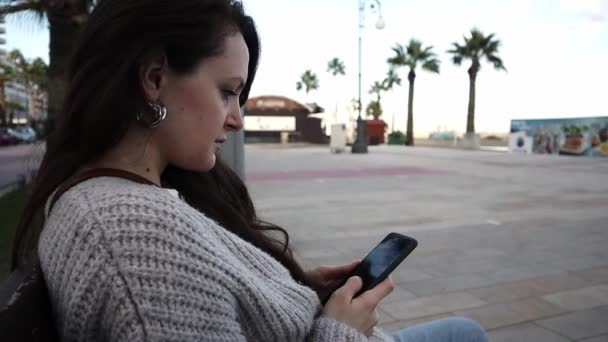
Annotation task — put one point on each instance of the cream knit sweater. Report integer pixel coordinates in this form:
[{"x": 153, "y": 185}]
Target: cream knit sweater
[{"x": 125, "y": 261}]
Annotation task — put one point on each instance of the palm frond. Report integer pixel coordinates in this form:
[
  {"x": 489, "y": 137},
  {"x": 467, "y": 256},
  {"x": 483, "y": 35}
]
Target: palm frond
[
  {"x": 427, "y": 53},
  {"x": 29, "y": 9},
  {"x": 496, "y": 62},
  {"x": 414, "y": 48},
  {"x": 399, "y": 57},
  {"x": 336, "y": 67},
  {"x": 491, "y": 48},
  {"x": 431, "y": 65},
  {"x": 457, "y": 59},
  {"x": 392, "y": 79}
]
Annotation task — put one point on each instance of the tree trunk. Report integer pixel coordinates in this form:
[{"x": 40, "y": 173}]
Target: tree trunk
[
  {"x": 66, "y": 18},
  {"x": 409, "y": 138},
  {"x": 471, "y": 112},
  {"x": 2, "y": 103}
]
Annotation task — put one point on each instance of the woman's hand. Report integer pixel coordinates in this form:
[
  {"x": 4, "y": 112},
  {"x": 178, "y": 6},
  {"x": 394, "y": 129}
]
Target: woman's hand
[
  {"x": 359, "y": 313},
  {"x": 323, "y": 277}
]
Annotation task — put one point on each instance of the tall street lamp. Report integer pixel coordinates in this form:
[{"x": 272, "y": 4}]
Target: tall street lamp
[{"x": 360, "y": 145}]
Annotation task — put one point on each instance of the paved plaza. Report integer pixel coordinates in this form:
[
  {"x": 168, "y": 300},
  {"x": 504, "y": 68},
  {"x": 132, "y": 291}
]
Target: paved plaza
[{"x": 515, "y": 242}]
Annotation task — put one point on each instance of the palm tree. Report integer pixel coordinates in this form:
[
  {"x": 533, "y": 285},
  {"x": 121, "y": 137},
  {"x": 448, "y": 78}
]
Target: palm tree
[
  {"x": 308, "y": 82},
  {"x": 475, "y": 48},
  {"x": 411, "y": 56},
  {"x": 336, "y": 67},
  {"x": 65, "y": 19},
  {"x": 377, "y": 89},
  {"x": 392, "y": 79},
  {"x": 374, "y": 108},
  {"x": 32, "y": 75},
  {"x": 36, "y": 81}
]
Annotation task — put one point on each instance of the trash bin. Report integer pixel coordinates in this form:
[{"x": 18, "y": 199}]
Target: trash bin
[
  {"x": 338, "y": 138},
  {"x": 284, "y": 137}
]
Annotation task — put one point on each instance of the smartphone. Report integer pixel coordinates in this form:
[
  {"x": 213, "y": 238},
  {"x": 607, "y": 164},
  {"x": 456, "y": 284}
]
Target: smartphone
[{"x": 379, "y": 263}]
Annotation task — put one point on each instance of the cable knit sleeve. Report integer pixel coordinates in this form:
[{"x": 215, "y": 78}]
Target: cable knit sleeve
[
  {"x": 327, "y": 329},
  {"x": 124, "y": 279}
]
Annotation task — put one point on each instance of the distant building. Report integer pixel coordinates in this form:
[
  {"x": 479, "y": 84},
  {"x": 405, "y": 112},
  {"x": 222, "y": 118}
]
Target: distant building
[
  {"x": 40, "y": 105},
  {"x": 2, "y": 35},
  {"x": 16, "y": 93},
  {"x": 273, "y": 119},
  {"x": 31, "y": 106}
]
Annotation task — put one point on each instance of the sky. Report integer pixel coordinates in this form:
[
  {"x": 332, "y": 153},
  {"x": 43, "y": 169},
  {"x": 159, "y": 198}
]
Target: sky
[{"x": 555, "y": 51}]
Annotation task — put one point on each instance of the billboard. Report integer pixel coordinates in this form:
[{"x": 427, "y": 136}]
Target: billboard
[
  {"x": 575, "y": 136},
  {"x": 270, "y": 123}
]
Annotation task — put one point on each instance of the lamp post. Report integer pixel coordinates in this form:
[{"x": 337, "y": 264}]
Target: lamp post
[{"x": 360, "y": 145}]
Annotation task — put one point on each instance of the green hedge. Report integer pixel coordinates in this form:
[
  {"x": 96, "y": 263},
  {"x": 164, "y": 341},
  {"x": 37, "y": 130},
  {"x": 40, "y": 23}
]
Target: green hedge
[
  {"x": 11, "y": 205},
  {"x": 396, "y": 138}
]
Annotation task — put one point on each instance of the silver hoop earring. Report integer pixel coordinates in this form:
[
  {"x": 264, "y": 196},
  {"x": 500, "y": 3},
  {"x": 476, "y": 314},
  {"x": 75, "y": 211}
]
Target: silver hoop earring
[{"x": 153, "y": 119}]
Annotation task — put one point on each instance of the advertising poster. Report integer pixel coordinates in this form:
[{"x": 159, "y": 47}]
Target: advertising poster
[{"x": 575, "y": 137}]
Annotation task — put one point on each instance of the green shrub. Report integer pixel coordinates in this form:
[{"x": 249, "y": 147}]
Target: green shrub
[{"x": 396, "y": 138}]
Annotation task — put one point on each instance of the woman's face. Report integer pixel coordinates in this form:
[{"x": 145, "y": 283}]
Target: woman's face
[{"x": 202, "y": 106}]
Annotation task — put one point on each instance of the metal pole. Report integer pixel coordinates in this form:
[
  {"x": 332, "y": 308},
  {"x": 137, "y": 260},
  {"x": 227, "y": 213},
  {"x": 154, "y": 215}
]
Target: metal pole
[{"x": 360, "y": 145}]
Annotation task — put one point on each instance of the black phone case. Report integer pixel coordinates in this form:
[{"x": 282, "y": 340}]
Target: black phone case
[{"x": 357, "y": 271}]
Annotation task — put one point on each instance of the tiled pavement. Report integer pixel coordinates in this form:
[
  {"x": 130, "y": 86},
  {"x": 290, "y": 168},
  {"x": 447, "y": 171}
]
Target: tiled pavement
[{"x": 515, "y": 242}]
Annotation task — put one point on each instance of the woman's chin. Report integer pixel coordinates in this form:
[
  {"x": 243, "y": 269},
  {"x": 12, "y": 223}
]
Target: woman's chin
[{"x": 208, "y": 164}]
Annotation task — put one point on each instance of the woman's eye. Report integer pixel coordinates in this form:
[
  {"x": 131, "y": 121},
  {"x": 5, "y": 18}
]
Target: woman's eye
[{"x": 227, "y": 94}]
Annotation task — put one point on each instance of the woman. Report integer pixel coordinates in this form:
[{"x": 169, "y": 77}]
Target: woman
[{"x": 146, "y": 236}]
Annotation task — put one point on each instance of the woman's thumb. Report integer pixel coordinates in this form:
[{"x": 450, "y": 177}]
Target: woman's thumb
[{"x": 352, "y": 286}]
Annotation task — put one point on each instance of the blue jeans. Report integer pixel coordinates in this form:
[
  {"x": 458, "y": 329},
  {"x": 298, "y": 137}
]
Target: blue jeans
[{"x": 453, "y": 329}]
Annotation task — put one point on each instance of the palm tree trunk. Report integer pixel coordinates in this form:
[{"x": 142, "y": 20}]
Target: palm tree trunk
[
  {"x": 2, "y": 103},
  {"x": 409, "y": 139},
  {"x": 66, "y": 18},
  {"x": 471, "y": 111}
]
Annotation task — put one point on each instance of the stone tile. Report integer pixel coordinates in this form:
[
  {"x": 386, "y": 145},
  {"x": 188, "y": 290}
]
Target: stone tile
[
  {"x": 406, "y": 274},
  {"x": 506, "y": 292},
  {"x": 464, "y": 266},
  {"x": 412, "y": 322},
  {"x": 503, "y": 314},
  {"x": 434, "y": 286},
  {"x": 529, "y": 288},
  {"x": 558, "y": 282},
  {"x": 434, "y": 305},
  {"x": 525, "y": 332},
  {"x": 398, "y": 325},
  {"x": 597, "y": 275},
  {"x": 579, "y": 263},
  {"x": 510, "y": 274},
  {"x": 400, "y": 294},
  {"x": 603, "y": 338},
  {"x": 580, "y": 324},
  {"x": 385, "y": 317},
  {"x": 580, "y": 299}
]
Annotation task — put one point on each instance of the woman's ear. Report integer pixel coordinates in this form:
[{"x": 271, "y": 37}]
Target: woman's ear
[{"x": 153, "y": 74}]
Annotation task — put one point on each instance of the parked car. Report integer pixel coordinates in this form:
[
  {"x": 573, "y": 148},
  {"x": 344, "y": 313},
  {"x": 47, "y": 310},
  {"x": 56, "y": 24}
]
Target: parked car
[
  {"x": 25, "y": 134},
  {"x": 7, "y": 138}
]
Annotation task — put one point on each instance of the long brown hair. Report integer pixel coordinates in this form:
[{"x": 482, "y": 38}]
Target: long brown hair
[{"x": 104, "y": 93}]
